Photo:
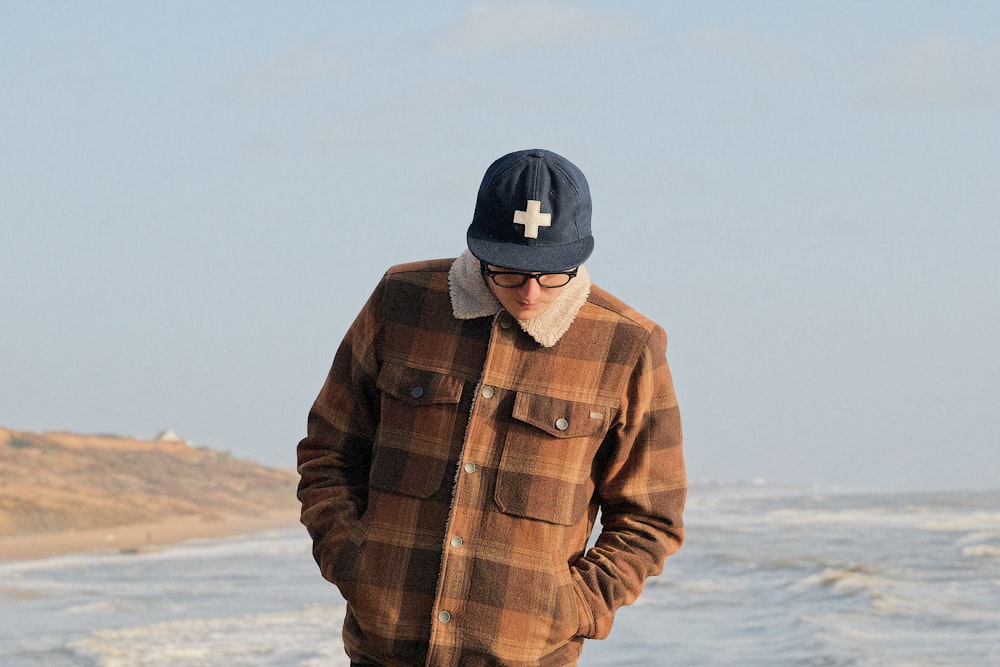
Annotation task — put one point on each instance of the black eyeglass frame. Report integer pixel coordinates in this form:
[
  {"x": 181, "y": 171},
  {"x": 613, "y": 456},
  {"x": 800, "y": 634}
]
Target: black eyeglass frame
[{"x": 526, "y": 276}]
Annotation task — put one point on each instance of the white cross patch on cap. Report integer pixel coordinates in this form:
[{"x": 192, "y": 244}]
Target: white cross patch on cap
[{"x": 532, "y": 218}]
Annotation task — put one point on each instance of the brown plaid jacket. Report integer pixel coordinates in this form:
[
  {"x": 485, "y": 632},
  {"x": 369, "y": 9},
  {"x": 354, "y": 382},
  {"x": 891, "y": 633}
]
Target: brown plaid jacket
[{"x": 453, "y": 471}]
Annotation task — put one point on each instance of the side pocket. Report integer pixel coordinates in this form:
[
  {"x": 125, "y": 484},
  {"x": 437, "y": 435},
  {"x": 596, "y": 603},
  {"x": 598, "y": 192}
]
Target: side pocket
[
  {"x": 586, "y": 622},
  {"x": 344, "y": 564},
  {"x": 569, "y": 602}
]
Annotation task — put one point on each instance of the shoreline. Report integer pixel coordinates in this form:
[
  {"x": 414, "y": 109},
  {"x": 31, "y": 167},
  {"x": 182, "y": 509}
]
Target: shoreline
[{"x": 143, "y": 537}]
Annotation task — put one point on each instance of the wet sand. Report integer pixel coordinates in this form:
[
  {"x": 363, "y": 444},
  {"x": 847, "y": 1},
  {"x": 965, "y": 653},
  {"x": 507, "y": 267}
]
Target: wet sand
[{"x": 139, "y": 538}]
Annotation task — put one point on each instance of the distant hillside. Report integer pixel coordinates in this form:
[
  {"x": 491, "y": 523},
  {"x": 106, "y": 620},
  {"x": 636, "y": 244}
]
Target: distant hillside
[{"x": 61, "y": 481}]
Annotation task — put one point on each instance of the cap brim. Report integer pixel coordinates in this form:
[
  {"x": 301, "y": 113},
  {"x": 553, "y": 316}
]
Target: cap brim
[{"x": 533, "y": 257}]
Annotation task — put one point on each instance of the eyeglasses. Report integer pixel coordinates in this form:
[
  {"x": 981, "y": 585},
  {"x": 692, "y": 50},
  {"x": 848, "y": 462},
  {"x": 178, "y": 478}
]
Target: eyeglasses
[{"x": 512, "y": 279}]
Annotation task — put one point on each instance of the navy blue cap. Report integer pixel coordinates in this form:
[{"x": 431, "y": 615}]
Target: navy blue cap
[{"x": 532, "y": 213}]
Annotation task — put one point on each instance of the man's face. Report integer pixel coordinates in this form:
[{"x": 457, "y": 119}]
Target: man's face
[{"x": 527, "y": 301}]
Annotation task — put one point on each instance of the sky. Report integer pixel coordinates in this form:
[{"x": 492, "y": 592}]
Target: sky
[{"x": 197, "y": 198}]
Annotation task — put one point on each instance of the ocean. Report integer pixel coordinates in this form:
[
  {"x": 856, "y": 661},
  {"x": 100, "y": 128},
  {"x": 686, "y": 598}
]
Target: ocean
[{"x": 769, "y": 575}]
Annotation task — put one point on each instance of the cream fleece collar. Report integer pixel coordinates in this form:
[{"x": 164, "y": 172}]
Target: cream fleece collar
[{"x": 471, "y": 298}]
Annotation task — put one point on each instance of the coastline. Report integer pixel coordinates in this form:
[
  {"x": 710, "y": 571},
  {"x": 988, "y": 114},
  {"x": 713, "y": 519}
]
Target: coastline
[{"x": 143, "y": 537}]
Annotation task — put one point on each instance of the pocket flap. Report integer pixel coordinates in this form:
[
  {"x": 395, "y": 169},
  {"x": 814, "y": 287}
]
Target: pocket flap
[
  {"x": 558, "y": 417},
  {"x": 418, "y": 387}
]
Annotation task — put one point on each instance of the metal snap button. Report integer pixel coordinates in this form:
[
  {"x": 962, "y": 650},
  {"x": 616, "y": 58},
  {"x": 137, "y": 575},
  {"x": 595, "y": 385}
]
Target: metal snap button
[
  {"x": 562, "y": 424},
  {"x": 417, "y": 392}
]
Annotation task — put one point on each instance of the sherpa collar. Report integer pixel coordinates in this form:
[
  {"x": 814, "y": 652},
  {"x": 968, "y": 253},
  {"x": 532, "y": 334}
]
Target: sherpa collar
[{"x": 471, "y": 298}]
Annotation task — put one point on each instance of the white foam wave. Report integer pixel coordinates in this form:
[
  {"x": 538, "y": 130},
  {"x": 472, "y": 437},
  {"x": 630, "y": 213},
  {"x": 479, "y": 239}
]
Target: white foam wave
[
  {"x": 307, "y": 638},
  {"x": 855, "y": 517},
  {"x": 965, "y": 522},
  {"x": 890, "y": 597},
  {"x": 272, "y": 543},
  {"x": 282, "y": 542},
  {"x": 851, "y": 581},
  {"x": 982, "y": 550},
  {"x": 708, "y": 586},
  {"x": 109, "y": 605},
  {"x": 977, "y": 537}
]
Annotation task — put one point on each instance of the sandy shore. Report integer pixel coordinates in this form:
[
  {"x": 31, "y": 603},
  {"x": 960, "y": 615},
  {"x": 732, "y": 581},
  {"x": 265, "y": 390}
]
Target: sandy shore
[{"x": 139, "y": 538}]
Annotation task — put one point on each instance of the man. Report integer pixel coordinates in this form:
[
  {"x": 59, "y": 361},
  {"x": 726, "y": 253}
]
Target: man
[{"x": 478, "y": 414}]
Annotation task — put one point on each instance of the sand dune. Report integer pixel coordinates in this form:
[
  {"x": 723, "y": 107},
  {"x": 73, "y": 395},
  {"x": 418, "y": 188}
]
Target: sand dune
[{"x": 64, "y": 492}]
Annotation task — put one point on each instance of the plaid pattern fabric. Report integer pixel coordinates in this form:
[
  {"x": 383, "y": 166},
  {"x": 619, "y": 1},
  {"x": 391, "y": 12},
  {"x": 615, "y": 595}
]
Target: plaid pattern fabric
[{"x": 453, "y": 471}]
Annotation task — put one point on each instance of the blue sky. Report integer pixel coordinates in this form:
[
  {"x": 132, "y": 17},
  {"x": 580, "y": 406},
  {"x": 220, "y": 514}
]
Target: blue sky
[{"x": 196, "y": 198}]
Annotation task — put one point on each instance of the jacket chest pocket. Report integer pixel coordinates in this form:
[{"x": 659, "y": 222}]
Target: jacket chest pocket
[
  {"x": 416, "y": 424},
  {"x": 547, "y": 456}
]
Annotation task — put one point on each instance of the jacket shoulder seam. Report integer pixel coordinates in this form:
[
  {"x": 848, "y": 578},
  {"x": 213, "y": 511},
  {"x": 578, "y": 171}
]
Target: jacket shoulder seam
[{"x": 607, "y": 302}]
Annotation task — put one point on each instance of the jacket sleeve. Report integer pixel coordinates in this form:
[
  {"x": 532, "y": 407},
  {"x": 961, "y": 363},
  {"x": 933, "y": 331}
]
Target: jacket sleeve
[
  {"x": 335, "y": 456},
  {"x": 642, "y": 490}
]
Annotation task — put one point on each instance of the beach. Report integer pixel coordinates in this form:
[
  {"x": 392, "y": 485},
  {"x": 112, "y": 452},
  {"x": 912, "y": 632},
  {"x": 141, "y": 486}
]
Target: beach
[
  {"x": 770, "y": 576},
  {"x": 64, "y": 493}
]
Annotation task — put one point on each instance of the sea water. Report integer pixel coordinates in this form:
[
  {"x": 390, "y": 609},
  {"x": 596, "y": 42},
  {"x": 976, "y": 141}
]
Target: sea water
[{"x": 769, "y": 576}]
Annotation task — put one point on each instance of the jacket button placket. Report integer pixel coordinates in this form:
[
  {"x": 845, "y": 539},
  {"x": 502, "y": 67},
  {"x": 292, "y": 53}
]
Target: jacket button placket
[{"x": 454, "y": 570}]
